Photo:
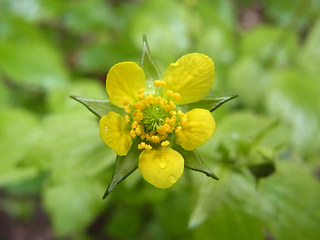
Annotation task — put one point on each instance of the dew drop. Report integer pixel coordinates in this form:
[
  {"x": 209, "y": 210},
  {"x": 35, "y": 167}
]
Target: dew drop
[
  {"x": 172, "y": 179},
  {"x": 162, "y": 164}
]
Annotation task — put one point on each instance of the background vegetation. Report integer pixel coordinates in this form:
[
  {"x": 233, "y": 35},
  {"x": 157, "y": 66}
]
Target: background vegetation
[{"x": 54, "y": 168}]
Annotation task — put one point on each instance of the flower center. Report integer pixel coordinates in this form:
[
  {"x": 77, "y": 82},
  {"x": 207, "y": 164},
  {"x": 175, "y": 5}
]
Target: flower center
[
  {"x": 153, "y": 119},
  {"x": 154, "y": 116}
]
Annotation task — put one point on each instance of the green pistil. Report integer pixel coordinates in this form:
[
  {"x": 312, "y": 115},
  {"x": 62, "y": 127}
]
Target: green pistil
[{"x": 154, "y": 116}]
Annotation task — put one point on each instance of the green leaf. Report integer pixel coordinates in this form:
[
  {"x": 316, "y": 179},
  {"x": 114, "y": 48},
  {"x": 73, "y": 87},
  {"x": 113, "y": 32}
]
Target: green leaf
[
  {"x": 125, "y": 165},
  {"x": 211, "y": 196},
  {"x": 21, "y": 57},
  {"x": 192, "y": 161},
  {"x": 291, "y": 206},
  {"x": 228, "y": 222},
  {"x": 309, "y": 57},
  {"x": 208, "y": 103},
  {"x": 98, "y": 107},
  {"x": 148, "y": 65},
  {"x": 262, "y": 170},
  {"x": 172, "y": 25},
  {"x": 73, "y": 206},
  {"x": 70, "y": 147},
  {"x": 299, "y": 106},
  {"x": 19, "y": 132},
  {"x": 269, "y": 45}
]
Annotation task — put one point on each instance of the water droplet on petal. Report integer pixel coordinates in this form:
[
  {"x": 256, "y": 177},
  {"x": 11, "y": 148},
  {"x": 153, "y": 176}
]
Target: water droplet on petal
[
  {"x": 162, "y": 164},
  {"x": 172, "y": 179}
]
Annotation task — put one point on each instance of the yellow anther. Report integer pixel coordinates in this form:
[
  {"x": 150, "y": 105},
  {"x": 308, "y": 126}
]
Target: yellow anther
[
  {"x": 141, "y": 96},
  {"x": 148, "y": 137},
  {"x": 127, "y": 119},
  {"x": 165, "y": 143},
  {"x": 138, "y": 131},
  {"x": 149, "y": 97},
  {"x": 152, "y": 133},
  {"x": 178, "y": 129},
  {"x": 125, "y": 102},
  {"x": 162, "y": 129},
  {"x": 177, "y": 96},
  {"x": 132, "y": 133},
  {"x": 155, "y": 139},
  {"x": 172, "y": 105},
  {"x": 159, "y": 83},
  {"x": 171, "y": 121},
  {"x": 183, "y": 121},
  {"x": 169, "y": 93},
  {"x": 138, "y": 116},
  {"x": 148, "y": 147},
  {"x": 181, "y": 114},
  {"x": 134, "y": 124},
  {"x": 127, "y": 109},
  {"x": 157, "y": 99},
  {"x": 163, "y": 136},
  {"x": 167, "y": 108},
  {"x": 143, "y": 136},
  {"x": 140, "y": 91},
  {"x": 167, "y": 127},
  {"x": 173, "y": 112},
  {"x": 141, "y": 145}
]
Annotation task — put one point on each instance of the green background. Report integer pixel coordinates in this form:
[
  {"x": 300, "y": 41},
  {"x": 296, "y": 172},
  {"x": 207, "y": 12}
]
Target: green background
[{"x": 54, "y": 168}]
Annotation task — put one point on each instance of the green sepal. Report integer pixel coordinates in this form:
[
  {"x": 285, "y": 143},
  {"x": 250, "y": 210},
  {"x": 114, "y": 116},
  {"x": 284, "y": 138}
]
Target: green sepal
[
  {"x": 210, "y": 104},
  {"x": 192, "y": 161},
  {"x": 150, "y": 68},
  {"x": 262, "y": 170},
  {"x": 98, "y": 107},
  {"x": 125, "y": 165}
]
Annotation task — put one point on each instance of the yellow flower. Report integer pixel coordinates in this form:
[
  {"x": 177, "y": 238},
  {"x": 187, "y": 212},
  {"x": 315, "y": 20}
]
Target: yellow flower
[{"x": 154, "y": 120}]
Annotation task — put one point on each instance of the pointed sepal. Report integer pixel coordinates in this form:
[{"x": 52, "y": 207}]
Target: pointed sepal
[
  {"x": 98, "y": 107},
  {"x": 210, "y": 104},
  {"x": 125, "y": 165},
  {"x": 149, "y": 66},
  {"x": 192, "y": 161}
]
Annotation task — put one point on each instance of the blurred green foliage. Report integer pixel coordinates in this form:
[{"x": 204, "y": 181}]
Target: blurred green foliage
[{"x": 51, "y": 155}]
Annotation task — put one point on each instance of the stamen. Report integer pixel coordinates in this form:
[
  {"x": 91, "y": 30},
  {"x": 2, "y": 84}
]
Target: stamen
[
  {"x": 127, "y": 119},
  {"x": 148, "y": 147},
  {"x": 159, "y": 83},
  {"x": 142, "y": 145},
  {"x": 177, "y": 96},
  {"x": 181, "y": 114},
  {"x": 140, "y": 91},
  {"x": 127, "y": 109},
  {"x": 165, "y": 143},
  {"x": 178, "y": 129},
  {"x": 155, "y": 139},
  {"x": 125, "y": 102}
]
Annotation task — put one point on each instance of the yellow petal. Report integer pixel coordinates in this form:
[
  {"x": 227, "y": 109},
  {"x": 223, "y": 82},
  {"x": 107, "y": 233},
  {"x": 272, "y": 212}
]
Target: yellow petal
[
  {"x": 114, "y": 131},
  {"x": 161, "y": 167},
  {"x": 123, "y": 81},
  {"x": 191, "y": 76},
  {"x": 197, "y": 127}
]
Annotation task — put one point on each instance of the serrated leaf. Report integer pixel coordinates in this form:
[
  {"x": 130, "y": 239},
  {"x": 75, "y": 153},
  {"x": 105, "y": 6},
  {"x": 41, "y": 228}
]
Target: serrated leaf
[
  {"x": 148, "y": 65},
  {"x": 125, "y": 165},
  {"x": 210, "y": 104},
  {"x": 98, "y": 107},
  {"x": 192, "y": 161}
]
